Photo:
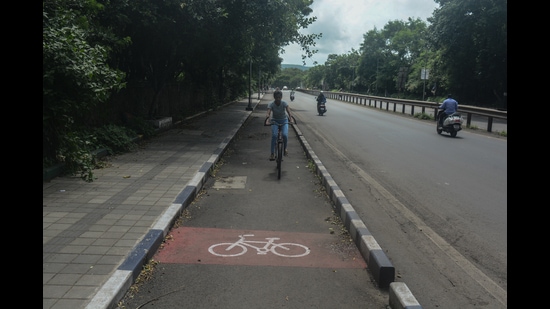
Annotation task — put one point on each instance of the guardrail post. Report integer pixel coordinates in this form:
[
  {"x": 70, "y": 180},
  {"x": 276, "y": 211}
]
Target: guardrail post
[{"x": 490, "y": 124}]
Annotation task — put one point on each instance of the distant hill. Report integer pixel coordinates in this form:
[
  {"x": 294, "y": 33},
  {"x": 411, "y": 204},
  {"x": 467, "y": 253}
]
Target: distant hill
[{"x": 296, "y": 66}]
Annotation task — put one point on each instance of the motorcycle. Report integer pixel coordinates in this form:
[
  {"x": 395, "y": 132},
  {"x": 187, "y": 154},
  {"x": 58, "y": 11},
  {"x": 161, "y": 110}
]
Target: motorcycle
[
  {"x": 321, "y": 107},
  {"x": 451, "y": 124},
  {"x": 291, "y": 97}
]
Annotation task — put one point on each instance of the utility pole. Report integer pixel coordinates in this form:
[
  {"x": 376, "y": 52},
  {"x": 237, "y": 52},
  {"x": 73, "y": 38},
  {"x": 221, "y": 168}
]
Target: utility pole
[{"x": 249, "y": 107}]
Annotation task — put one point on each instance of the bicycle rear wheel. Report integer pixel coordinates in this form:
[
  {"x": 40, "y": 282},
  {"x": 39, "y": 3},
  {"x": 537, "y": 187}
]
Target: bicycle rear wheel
[{"x": 279, "y": 159}]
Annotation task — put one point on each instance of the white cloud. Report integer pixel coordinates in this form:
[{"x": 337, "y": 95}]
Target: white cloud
[{"x": 343, "y": 24}]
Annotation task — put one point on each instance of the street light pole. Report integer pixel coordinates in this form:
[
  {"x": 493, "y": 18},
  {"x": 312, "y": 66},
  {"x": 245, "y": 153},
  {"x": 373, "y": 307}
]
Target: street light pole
[{"x": 249, "y": 107}]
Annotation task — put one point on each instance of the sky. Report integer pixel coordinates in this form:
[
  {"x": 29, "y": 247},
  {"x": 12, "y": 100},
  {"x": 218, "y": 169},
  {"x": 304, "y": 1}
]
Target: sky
[{"x": 344, "y": 22}]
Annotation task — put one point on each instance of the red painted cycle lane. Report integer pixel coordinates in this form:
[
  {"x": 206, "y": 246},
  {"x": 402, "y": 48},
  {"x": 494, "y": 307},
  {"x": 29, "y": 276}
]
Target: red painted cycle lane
[{"x": 190, "y": 245}]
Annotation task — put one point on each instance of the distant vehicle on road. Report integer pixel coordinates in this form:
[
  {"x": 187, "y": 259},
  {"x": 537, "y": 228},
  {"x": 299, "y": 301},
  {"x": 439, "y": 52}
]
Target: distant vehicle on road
[{"x": 285, "y": 88}]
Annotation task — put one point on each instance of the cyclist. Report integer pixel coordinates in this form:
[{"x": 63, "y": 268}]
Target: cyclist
[{"x": 278, "y": 106}]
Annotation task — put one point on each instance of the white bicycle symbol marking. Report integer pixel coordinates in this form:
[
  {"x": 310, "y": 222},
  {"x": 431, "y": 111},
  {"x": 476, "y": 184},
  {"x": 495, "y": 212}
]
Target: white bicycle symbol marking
[{"x": 239, "y": 247}]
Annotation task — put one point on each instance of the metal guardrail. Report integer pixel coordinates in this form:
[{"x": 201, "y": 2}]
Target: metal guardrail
[{"x": 408, "y": 106}]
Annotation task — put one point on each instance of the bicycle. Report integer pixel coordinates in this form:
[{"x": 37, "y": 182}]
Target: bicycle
[
  {"x": 227, "y": 249},
  {"x": 280, "y": 142}
]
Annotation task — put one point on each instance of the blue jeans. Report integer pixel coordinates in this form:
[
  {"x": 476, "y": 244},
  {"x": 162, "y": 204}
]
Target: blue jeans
[{"x": 275, "y": 131}]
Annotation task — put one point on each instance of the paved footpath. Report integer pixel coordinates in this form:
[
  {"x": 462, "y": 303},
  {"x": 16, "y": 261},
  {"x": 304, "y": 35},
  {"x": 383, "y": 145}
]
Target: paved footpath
[
  {"x": 90, "y": 229},
  {"x": 98, "y": 235}
]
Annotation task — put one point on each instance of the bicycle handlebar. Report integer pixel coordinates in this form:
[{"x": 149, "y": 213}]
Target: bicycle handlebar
[{"x": 268, "y": 122}]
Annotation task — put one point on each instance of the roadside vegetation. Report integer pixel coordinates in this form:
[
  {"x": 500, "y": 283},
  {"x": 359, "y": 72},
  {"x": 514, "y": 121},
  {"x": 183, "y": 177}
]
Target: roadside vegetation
[
  {"x": 461, "y": 49},
  {"x": 110, "y": 68}
]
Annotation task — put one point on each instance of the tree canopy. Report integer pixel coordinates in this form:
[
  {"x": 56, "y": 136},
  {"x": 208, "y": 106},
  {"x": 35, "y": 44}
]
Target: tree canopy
[
  {"x": 201, "y": 50},
  {"x": 147, "y": 59},
  {"x": 462, "y": 48}
]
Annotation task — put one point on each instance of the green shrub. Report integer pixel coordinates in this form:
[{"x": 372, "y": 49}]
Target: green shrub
[
  {"x": 77, "y": 148},
  {"x": 75, "y": 152},
  {"x": 116, "y": 139},
  {"x": 141, "y": 126}
]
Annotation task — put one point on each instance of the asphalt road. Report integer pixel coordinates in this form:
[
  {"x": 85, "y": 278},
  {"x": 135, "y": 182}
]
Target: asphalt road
[{"x": 437, "y": 204}]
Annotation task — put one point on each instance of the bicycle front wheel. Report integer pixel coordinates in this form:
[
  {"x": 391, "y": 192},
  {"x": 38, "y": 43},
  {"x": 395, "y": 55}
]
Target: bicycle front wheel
[
  {"x": 290, "y": 250},
  {"x": 279, "y": 159}
]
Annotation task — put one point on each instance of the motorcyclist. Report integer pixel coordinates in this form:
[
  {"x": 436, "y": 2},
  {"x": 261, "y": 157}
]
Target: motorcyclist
[
  {"x": 448, "y": 107},
  {"x": 292, "y": 94},
  {"x": 321, "y": 99}
]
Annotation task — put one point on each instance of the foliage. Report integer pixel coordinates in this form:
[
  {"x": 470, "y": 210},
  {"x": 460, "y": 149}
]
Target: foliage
[
  {"x": 76, "y": 152},
  {"x": 213, "y": 49},
  {"x": 290, "y": 77},
  {"x": 76, "y": 78},
  {"x": 213, "y": 45},
  {"x": 472, "y": 38},
  {"x": 141, "y": 126},
  {"x": 314, "y": 77},
  {"x": 116, "y": 139},
  {"x": 463, "y": 47},
  {"x": 92, "y": 49},
  {"x": 78, "y": 147}
]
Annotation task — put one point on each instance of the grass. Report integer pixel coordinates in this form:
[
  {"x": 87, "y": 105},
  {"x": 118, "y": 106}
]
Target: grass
[{"x": 424, "y": 116}]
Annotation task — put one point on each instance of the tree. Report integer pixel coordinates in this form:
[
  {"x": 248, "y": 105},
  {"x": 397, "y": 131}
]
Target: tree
[
  {"x": 290, "y": 77},
  {"x": 94, "y": 48},
  {"x": 472, "y": 35},
  {"x": 315, "y": 77},
  {"x": 75, "y": 73}
]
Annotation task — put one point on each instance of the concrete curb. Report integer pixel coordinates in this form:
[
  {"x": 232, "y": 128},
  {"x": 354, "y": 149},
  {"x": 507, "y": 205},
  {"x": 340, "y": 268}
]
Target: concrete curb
[
  {"x": 380, "y": 266},
  {"x": 377, "y": 261},
  {"x": 401, "y": 297}
]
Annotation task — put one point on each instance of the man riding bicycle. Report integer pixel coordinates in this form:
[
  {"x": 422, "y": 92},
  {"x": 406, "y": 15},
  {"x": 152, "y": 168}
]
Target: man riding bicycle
[{"x": 278, "y": 106}]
